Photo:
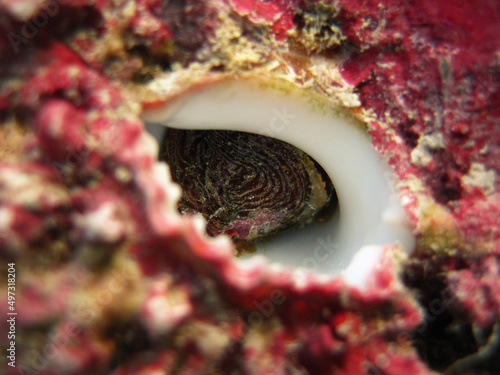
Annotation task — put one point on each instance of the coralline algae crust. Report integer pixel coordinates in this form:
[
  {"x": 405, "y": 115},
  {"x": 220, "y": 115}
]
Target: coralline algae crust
[{"x": 148, "y": 292}]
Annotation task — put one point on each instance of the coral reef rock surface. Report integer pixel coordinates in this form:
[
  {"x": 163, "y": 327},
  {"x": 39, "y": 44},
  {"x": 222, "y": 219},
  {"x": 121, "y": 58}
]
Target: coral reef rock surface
[{"x": 111, "y": 279}]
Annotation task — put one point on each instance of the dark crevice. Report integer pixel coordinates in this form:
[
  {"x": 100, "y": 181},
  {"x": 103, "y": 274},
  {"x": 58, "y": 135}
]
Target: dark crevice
[{"x": 446, "y": 336}]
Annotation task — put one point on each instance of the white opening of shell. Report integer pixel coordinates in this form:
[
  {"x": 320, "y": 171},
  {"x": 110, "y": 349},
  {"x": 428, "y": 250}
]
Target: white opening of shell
[{"x": 369, "y": 213}]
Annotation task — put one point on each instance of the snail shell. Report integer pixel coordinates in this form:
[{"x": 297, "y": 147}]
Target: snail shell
[
  {"x": 247, "y": 186},
  {"x": 369, "y": 212}
]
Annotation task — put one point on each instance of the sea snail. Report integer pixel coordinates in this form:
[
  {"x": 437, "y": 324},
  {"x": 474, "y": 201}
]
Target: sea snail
[
  {"x": 247, "y": 186},
  {"x": 369, "y": 211}
]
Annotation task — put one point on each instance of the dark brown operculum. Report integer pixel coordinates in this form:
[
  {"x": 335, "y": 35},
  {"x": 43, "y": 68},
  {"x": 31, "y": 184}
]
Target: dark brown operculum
[{"x": 247, "y": 186}]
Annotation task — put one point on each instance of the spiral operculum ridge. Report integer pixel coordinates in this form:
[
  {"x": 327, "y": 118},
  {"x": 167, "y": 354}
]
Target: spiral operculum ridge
[{"x": 247, "y": 186}]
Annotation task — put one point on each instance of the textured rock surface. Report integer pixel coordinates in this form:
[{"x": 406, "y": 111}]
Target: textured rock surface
[{"x": 110, "y": 279}]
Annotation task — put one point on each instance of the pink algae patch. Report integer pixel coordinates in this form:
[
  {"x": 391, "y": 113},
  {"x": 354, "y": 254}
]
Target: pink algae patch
[{"x": 278, "y": 14}]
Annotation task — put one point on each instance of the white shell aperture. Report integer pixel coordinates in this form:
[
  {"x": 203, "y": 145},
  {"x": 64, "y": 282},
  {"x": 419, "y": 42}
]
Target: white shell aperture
[{"x": 370, "y": 212}]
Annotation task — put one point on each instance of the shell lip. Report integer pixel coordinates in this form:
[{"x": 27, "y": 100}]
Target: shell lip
[{"x": 370, "y": 212}]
